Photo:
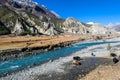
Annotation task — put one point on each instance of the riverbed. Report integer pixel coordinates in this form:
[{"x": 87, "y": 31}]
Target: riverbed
[{"x": 60, "y": 64}]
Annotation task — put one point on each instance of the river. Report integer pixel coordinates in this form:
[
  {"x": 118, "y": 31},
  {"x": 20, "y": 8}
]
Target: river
[{"x": 24, "y": 62}]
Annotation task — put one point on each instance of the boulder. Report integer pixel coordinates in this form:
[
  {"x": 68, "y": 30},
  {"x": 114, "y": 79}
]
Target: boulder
[
  {"x": 115, "y": 60},
  {"x": 113, "y": 55},
  {"x": 92, "y": 54},
  {"x": 76, "y": 58}
]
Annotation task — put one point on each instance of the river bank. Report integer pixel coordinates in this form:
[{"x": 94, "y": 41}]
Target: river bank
[
  {"x": 13, "y": 47},
  {"x": 21, "y": 46},
  {"x": 63, "y": 69}
]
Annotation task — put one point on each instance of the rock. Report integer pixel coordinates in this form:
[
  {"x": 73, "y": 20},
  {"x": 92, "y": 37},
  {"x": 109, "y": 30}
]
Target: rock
[
  {"x": 115, "y": 60},
  {"x": 74, "y": 26},
  {"x": 113, "y": 55},
  {"x": 51, "y": 60},
  {"x": 92, "y": 54},
  {"x": 99, "y": 29},
  {"x": 76, "y": 58}
]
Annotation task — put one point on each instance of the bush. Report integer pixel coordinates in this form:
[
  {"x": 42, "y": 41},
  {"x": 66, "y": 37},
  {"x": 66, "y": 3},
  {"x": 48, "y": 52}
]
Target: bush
[{"x": 109, "y": 46}]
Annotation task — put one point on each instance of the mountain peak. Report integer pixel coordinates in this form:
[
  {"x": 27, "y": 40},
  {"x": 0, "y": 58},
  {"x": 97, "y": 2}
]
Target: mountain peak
[{"x": 23, "y": 0}]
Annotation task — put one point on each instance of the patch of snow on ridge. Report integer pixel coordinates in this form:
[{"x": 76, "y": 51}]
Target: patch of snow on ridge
[
  {"x": 55, "y": 14},
  {"x": 90, "y": 23},
  {"x": 23, "y": 0}
]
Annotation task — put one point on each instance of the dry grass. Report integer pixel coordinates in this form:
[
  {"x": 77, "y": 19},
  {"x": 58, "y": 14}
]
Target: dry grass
[
  {"x": 111, "y": 72},
  {"x": 7, "y": 42},
  {"x": 34, "y": 41}
]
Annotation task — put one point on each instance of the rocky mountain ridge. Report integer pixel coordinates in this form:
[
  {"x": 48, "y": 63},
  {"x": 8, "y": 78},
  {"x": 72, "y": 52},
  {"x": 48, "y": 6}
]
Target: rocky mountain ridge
[
  {"x": 23, "y": 17},
  {"x": 115, "y": 27}
]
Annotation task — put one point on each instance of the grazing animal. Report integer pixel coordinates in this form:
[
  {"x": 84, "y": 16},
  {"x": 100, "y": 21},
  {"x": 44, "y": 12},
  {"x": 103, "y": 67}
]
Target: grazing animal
[
  {"x": 76, "y": 60},
  {"x": 113, "y": 55},
  {"x": 92, "y": 54},
  {"x": 115, "y": 60}
]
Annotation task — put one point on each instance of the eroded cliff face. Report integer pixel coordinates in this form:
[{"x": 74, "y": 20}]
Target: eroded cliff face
[{"x": 72, "y": 25}]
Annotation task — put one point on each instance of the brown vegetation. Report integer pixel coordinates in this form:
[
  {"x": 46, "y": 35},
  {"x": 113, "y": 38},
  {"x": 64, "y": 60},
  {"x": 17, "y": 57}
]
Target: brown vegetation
[
  {"x": 7, "y": 42},
  {"x": 34, "y": 41}
]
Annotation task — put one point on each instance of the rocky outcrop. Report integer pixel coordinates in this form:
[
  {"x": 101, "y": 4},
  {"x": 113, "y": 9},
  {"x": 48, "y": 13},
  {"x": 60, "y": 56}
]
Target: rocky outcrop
[
  {"x": 99, "y": 29},
  {"x": 72, "y": 25},
  {"x": 18, "y": 28}
]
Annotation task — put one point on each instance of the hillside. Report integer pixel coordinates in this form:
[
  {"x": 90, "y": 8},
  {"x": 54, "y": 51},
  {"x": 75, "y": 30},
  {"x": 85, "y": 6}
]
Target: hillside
[
  {"x": 15, "y": 18},
  {"x": 23, "y": 17},
  {"x": 116, "y": 27}
]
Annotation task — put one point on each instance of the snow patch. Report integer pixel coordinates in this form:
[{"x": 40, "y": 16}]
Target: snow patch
[
  {"x": 55, "y": 14},
  {"x": 90, "y": 23}
]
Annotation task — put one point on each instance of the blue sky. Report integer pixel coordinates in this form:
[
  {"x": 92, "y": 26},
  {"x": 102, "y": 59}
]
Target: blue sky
[{"x": 99, "y": 11}]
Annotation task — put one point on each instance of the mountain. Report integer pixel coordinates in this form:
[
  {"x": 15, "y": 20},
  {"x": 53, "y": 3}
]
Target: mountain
[
  {"x": 71, "y": 25},
  {"x": 115, "y": 27},
  {"x": 23, "y": 17},
  {"x": 99, "y": 29},
  {"x": 28, "y": 6}
]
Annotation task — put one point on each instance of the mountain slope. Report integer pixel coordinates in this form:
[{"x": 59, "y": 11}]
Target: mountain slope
[
  {"x": 22, "y": 22},
  {"x": 99, "y": 29},
  {"x": 72, "y": 25},
  {"x": 116, "y": 27},
  {"x": 23, "y": 17}
]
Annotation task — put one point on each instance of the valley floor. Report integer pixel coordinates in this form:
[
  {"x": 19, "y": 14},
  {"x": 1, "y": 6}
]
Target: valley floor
[
  {"x": 34, "y": 41},
  {"x": 19, "y": 46},
  {"x": 98, "y": 67},
  {"x": 7, "y": 42}
]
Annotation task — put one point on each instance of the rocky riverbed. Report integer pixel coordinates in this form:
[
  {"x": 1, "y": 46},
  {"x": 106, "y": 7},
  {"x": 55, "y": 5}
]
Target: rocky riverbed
[
  {"x": 14, "y": 53},
  {"x": 63, "y": 69},
  {"x": 20, "y": 46}
]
